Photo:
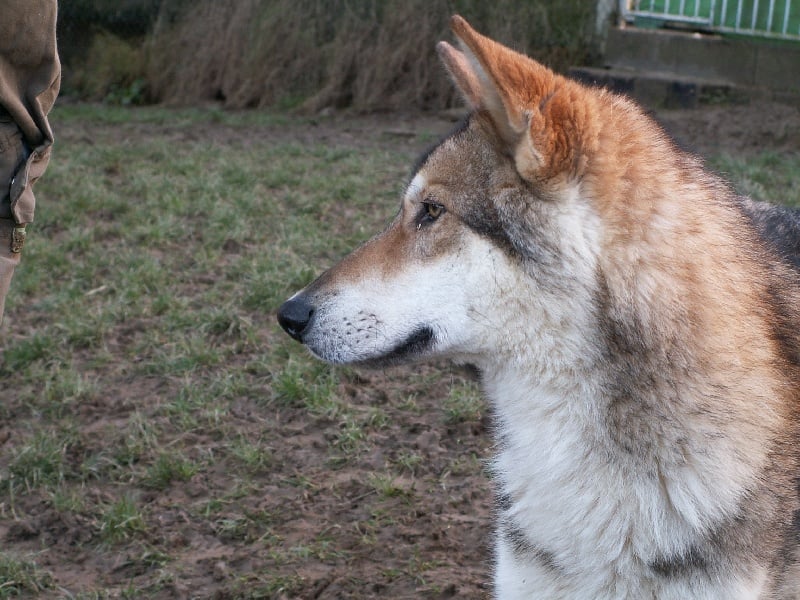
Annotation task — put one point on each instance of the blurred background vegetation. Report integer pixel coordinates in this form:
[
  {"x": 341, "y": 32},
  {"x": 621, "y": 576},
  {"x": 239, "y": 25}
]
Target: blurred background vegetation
[{"x": 297, "y": 54}]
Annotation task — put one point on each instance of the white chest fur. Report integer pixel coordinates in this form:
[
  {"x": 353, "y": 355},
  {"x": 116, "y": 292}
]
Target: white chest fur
[{"x": 580, "y": 519}]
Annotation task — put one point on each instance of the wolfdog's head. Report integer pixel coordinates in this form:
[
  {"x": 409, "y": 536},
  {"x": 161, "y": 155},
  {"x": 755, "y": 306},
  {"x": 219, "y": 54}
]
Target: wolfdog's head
[{"x": 496, "y": 240}]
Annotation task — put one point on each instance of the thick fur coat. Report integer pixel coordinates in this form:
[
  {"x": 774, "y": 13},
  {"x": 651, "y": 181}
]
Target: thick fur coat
[{"x": 635, "y": 323}]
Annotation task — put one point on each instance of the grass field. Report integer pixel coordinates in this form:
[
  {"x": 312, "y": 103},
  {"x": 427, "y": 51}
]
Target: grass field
[
  {"x": 160, "y": 434},
  {"x": 160, "y": 437}
]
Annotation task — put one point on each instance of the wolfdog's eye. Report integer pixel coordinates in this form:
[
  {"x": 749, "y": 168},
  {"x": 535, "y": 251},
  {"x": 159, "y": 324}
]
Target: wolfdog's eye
[{"x": 433, "y": 210}]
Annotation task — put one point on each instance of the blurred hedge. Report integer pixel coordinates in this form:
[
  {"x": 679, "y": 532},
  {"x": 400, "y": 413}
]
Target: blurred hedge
[
  {"x": 101, "y": 43},
  {"x": 364, "y": 54}
]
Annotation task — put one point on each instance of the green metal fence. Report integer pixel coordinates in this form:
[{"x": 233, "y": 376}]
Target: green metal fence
[{"x": 760, "y": 18}]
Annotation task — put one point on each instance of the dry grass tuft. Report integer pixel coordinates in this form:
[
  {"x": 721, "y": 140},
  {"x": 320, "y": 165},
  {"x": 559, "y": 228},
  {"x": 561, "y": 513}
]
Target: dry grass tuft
[{"x": 365, "y": 54}]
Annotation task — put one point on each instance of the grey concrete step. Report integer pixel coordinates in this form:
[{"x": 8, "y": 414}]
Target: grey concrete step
[
  {"x": 664, "y": 68},
  {"x": 657, "y": 89}
]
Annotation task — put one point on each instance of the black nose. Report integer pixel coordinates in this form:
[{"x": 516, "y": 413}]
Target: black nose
[{"x": 294, "y": 316}]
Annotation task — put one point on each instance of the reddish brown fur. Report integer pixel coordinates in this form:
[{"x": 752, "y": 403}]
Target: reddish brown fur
[{"x": 561, "y": 117}]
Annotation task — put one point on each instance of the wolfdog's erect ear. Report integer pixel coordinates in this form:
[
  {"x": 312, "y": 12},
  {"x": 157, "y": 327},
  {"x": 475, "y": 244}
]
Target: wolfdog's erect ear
[{"x": 532, "y": 109}]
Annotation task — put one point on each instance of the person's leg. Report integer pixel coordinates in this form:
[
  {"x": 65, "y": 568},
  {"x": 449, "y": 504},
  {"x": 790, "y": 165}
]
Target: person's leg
[
  {"x": 13, "y": 154},
  {"x": 30, "y": 75},
  {"x": 8, "y": 260}
]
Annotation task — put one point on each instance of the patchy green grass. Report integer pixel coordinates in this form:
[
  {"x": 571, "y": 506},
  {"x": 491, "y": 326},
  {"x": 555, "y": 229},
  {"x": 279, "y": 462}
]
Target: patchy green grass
[
  {"x": 767, "y": 176},
  {"x": 20, "y": 577},
  {"x": 464, "y": 404},
  {"x": 121, "y": 520},
  {"x": 157, "y": 411},
  {"x": 160, "y": 436}
]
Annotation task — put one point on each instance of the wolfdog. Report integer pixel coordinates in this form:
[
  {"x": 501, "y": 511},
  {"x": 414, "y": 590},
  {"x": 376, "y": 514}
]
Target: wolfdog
[{"x": 635, "y": 323}]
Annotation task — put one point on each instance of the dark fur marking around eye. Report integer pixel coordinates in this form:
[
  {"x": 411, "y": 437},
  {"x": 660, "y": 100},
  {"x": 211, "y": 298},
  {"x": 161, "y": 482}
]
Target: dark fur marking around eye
[{"x": 485, "y": 221}]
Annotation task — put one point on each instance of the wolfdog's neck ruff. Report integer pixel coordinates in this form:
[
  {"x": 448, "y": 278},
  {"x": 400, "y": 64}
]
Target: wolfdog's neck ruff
[{"x": 637, "y": 326}]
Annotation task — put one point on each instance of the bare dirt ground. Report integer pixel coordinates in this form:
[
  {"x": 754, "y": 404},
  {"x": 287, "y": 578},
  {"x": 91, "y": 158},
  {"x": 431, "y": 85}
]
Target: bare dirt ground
[
  {"x": 740, "y": 129},
  {"x": 737, "y": 130},
  {"x": 423, "y": 532}
]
